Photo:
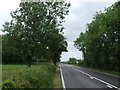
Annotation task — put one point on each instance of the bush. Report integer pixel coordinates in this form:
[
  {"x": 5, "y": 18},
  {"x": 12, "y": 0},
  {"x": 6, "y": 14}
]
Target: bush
[{"x": 8, "y": 83}]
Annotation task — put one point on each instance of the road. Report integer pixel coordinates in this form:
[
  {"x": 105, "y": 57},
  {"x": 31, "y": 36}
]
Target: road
[{"x": 77, "y": 77}]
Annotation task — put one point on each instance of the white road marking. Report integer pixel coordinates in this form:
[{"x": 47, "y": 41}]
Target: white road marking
[
  {"x": 88, "y": 74},
  {"x": 108, "y": 84},
  {"x": 92, "y": 77},
  {"x": 63, "y": 83}
]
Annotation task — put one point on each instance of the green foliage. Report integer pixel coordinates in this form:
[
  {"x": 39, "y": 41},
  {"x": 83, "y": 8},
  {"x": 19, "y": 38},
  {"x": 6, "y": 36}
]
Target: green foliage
[
  {"x": 100, "y": 43},
  {"x": 72, "y": 61},
  {"x": 38, "y": 76},
  {"x": 8, "y": 84},
  {"x": 10, "y": 54},
  {"x": 75, "y": 61}
]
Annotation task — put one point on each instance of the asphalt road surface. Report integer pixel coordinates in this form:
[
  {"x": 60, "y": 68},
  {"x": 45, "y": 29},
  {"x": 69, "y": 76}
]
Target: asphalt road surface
[{"x": 77, "y": 77}]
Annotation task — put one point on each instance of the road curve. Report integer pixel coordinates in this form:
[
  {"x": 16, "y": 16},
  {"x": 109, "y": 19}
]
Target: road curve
[{"x": 77, "y": 77}]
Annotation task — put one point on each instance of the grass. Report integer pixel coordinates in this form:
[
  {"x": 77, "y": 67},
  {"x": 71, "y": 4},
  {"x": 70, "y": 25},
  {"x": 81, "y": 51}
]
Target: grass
[
  {"x": 101, "y": 70},
  {"x": 20, "y": 76},
  {"x": 57, "y": 79},
  {"x": 9, "y": 67}
]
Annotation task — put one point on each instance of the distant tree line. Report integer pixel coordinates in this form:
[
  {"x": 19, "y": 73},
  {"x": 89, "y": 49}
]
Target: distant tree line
[
  {"x": 75, "y": 61},
  {"x": 35, "y": 33},
  {"x": 100, "y": 44}
]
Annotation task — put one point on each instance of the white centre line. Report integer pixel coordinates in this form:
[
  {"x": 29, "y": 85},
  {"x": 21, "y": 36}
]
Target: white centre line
[
  {"x": 92, "y": 77},
  {"x": 109, "y": 86}
]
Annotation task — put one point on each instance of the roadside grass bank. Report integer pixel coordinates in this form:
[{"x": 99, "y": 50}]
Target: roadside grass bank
[
  {"x": 20, "y": 76},
  {"x": 57, "y": 78},
  {"x": 96, "y": 69}
]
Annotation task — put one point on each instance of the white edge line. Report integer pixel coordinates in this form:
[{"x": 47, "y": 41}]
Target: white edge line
[
  {"x": 63, "y": 83},
  {"x": 108, "y": 84}
]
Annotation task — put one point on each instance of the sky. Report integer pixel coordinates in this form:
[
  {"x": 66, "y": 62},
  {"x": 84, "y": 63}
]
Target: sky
[{"x": 81, "y": 13}]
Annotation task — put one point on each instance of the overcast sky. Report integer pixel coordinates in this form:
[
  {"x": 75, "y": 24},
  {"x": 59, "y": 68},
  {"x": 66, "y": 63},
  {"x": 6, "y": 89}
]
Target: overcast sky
[{"x": 81, "y": 13}]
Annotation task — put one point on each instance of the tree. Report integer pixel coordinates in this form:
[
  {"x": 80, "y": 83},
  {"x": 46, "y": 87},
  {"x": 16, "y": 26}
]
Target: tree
[
  {"x": 0, "y": 49},
  {"x": 100, "y": 43},
  {"x": 80, "y": 43},
  {"x": 32, "y": 23},
  {"x": 9, "y": 53},
  {"x": 57, "y": 45}
]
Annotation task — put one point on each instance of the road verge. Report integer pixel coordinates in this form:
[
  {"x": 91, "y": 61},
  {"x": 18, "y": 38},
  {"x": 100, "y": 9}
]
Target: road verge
[{"x": 57, "y": 78}]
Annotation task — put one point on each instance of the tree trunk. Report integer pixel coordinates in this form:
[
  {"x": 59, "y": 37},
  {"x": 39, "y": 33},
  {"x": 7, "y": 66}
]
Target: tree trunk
[
  {"x": 29, "y": 61},
  {"x": 55, "y": 62},
  {"x": 83, "y": 51}
]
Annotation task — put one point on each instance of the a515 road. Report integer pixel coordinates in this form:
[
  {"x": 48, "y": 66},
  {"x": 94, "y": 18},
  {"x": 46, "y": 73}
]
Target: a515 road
[{"x": 77, "y": 77}]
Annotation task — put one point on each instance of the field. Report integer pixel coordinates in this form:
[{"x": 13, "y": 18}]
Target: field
[{"x": 20, "y": 76}]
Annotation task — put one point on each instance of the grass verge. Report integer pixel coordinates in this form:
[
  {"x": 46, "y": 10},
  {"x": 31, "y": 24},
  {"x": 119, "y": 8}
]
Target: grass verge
[
  {"x": 57, "y": 78},
  {"x": 38, "y": 76}
]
